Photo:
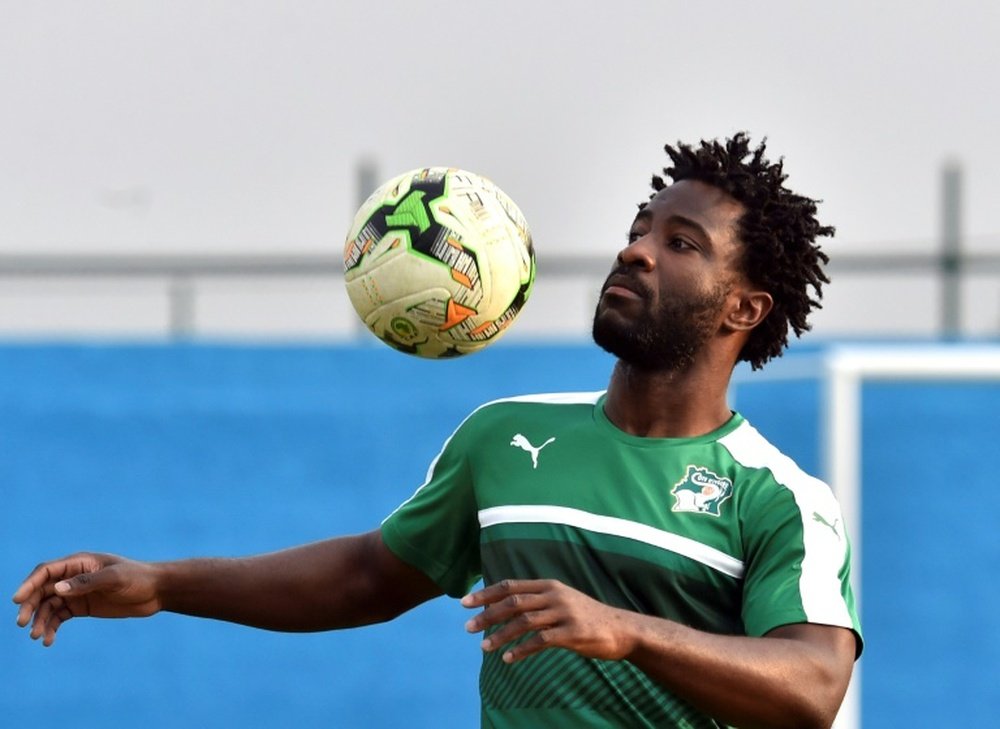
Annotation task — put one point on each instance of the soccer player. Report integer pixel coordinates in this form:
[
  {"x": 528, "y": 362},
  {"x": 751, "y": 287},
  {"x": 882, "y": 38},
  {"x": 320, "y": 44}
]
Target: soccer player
[{"x": 649, "y": 559}]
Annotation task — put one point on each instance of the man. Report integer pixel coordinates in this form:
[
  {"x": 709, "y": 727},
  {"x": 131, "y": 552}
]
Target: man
[{"x": 649, "y": 559}]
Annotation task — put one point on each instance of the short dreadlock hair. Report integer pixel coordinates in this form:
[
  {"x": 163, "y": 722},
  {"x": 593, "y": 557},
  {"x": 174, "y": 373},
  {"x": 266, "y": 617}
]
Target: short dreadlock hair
[{"x": 779, "y": 231}]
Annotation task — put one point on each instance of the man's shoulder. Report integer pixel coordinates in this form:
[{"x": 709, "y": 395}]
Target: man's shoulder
[
  {"x": 753, "y": 452},
  {"x": 551, "y": 398},
  {"x": 554, "y": 399},
  {"x": 538, "y": 405}
]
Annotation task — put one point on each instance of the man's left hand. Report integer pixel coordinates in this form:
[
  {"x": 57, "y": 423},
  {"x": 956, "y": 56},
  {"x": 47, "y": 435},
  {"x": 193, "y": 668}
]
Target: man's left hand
[{"x": 555, "y": 616}]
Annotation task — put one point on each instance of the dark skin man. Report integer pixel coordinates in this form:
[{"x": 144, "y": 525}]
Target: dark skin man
[{"x": 683, "y": 256}]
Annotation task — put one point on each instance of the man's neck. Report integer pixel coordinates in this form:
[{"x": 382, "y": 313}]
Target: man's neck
[{"x": 668, "y": 404}]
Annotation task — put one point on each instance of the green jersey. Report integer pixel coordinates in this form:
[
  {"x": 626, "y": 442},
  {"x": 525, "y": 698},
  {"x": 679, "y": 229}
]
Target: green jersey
[{"x": 720, "y": 532}]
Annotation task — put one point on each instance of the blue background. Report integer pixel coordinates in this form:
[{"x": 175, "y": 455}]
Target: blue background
[{"x": 159, "y": 452}]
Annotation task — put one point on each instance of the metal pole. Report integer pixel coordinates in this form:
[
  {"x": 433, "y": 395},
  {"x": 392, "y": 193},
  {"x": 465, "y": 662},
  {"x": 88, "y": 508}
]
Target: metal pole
[
  {"x": 842, "y": 437},
  {"x": 951, "y": 245},
  {"x": 366, "y": 180},
  {"x": 182, "y": 318}
]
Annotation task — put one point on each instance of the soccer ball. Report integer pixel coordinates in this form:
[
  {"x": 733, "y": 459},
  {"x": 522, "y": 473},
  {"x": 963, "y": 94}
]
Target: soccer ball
[{"x": 439, "y": 262}]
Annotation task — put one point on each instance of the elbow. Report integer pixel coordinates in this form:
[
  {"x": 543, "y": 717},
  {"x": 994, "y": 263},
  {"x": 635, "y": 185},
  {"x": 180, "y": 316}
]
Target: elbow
[
  {"x": 814, "y": 718},
  {"x": 816, "y": 702},
  {"x": 804, "y": 714},
  {"x": 815, "y": 682}
]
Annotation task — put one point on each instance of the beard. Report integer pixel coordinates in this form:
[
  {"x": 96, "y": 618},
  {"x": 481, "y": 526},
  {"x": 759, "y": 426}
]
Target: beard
[{"x": 665, "y": 339}]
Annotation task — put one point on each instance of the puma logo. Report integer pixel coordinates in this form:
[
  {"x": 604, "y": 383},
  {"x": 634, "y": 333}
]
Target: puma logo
[
  {"x": 817, "y": 517},
  {"x": 519, "y": 441}
]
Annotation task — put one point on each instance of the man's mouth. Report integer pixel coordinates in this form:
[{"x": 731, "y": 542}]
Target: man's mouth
[
  {"x": 623, "y": 287},
  {"x": 621, "y": 292}
]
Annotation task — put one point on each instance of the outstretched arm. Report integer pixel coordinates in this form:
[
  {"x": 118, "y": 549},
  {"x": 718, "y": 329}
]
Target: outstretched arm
[
  {"x": 796, "y": 676},
  {"x": 336, "y": 583}
]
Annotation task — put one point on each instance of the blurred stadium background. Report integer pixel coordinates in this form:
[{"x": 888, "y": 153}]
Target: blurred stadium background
[
  {"x": 181, "y": 374},
  {"x": 170, "y": 450}
]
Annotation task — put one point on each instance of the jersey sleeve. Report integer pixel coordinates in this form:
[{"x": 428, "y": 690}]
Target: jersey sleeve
[
  {"x": 437, "y": 529},
  {"x": 797, "y": 558}
]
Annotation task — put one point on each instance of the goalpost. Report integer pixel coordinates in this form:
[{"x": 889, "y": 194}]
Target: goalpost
[{"x": 843, "y": 370}]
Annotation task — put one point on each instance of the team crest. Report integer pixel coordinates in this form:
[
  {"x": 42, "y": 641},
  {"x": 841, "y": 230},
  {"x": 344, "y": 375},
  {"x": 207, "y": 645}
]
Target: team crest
[{"x": 701, "y": 491}]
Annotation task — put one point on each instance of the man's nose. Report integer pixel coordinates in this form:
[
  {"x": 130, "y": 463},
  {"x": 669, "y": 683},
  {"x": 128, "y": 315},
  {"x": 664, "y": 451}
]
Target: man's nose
[{"x": 638, "y": 253}]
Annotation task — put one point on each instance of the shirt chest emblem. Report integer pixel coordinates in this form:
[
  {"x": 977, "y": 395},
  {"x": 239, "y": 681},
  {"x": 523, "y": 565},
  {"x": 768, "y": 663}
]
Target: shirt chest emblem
[
  {"x": 519, "y": 441},
  {"x": 701, "y": 491}
]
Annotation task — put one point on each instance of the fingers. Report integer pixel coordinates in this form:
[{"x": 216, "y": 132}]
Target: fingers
[
  {"x": 86, "y": 582},
  {"x": 52, "y": 613},
  {"x": 48, "y": 573},
  {"x": 541, "y": 623},
  {"x": 502, "y": 589},
  {"x": 39, "y": 577},
  {"x": 511, "y": 609},
  {"x": 525, "y": 617},
  {"x": 29, "y": 605},
  {"x": 41, "y": 596},
  {"x": 519, "y": 607},
  {"x": 37, "y": 586},
  {"x": 542, "y": 639},
  {"x": 55, "y": 621}
]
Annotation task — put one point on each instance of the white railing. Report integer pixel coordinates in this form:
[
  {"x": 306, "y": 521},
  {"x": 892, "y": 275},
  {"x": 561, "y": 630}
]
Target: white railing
[{"x": 182, "y": 279}]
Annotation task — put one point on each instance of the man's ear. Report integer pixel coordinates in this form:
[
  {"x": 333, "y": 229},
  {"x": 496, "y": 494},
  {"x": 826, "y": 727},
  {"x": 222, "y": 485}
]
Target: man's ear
[{"x": 751, "y": 308}]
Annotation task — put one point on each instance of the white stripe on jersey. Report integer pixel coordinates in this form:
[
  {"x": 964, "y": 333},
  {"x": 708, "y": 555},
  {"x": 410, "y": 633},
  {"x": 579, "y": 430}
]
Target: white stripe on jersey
[
  {"x": 819, "y": 583},
  {"x": 557, "y": 398},
  {"x": 542, "y": 514}
]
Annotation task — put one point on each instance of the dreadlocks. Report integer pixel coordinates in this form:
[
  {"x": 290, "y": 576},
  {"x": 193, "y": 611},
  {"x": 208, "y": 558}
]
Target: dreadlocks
[{"x": 778, "y": 230}]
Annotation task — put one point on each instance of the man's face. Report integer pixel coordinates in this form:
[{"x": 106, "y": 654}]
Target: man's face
[{"x": 666, "y": 293}]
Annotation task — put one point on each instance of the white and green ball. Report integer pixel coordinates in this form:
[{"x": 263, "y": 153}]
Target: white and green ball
[{"x": 439, "y": 262}]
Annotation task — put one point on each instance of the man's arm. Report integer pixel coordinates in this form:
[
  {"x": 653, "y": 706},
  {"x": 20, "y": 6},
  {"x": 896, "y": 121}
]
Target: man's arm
[
  {"x": 796, "y": 676},
  {"x": 336, "y": 583}
]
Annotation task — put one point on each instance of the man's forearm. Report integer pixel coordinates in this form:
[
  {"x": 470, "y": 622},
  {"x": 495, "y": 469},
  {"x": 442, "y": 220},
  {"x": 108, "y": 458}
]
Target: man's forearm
[
  {"x": 794, "y": 677},
  {"x": 336, "y": 583}
]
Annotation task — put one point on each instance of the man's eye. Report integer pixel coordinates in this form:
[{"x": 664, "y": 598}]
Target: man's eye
[
  {"x": 680, "y": 244},
  {"x": 633, "y": 236}
]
